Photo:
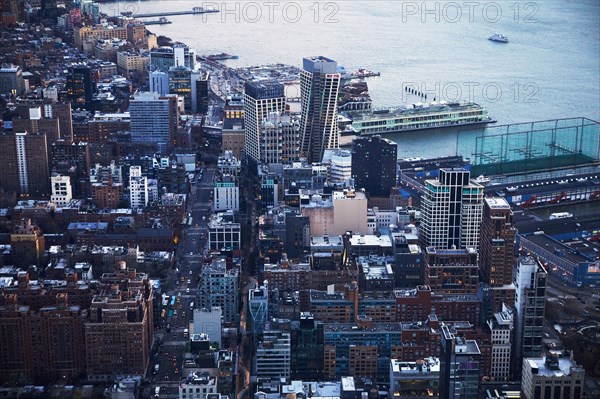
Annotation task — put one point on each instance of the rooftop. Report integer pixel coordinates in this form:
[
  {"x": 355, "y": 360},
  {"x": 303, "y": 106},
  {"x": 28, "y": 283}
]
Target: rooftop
[
  {"x": 561, "y": 367},
  {"x": 422, "y": 366}
]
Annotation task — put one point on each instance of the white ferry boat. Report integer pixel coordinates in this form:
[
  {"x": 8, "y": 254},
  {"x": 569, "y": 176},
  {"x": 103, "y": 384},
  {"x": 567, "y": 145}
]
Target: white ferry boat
[
  {"x": 560, "y": 215},
  {"x": 418, "y": 117},
  {"x": 498, "y": 37}
]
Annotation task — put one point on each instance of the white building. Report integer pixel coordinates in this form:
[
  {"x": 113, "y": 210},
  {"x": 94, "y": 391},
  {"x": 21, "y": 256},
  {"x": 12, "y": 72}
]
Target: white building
[
  {"x": 552, "y": 377},
  {"x": 84, "y": 271},
  {"x": 197, "y": 385},
  {"x": 138, "y": 188},
  {"x": 451, "y": 210},
  {"x": 273, "y": 355},
  {"x": 226, "y": 194},
  {"x": 340, "y": 166},
  {"x": 501, "y": 328},
  {"x": 159, "y": 82},
  {"x": 208, "y": 321},
  {"x": 62, "y": 192},
  {"x": 383, "y": 219}
]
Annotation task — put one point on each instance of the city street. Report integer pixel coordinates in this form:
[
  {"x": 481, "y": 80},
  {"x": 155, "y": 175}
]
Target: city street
[{"x": 181, "y": 289}]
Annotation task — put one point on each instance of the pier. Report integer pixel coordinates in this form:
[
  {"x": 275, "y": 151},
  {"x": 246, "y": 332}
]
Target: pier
[{"x": 193, "y": 11}]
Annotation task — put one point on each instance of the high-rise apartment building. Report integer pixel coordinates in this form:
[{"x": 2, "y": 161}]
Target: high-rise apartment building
[
  {"x": 260, "y": 99},
  {"x": 219, "y": 287},
  {"x": 308, "y": 341},
  {"x": 120, "y": 329},
  {"x": 451, "y": 271},
  {"x": 459, "y": 366},
  {"x": 501, "y": 328},
  {"x": 530, "y": 299},
  {"x": 451, "y": 209},
  {"x": 24, "y": 164},
  {"x": 152, "y": 120},
  {"x": 374, "y": 162},
  {"x": 497, "y": 251},
  {"x": 138, "y": 188},
  {"x": 280, "y": 138},
  {"x": 45, "y": 342},
  {"x": 273, "y": 355},
  {"x": 80, "y": 86},
  {"x": 319, "y": 87},
  {"x": 28, "y": 245}
]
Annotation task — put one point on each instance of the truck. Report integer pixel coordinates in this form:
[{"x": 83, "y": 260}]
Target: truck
[
  {"x": 157, "y": 392},
  {"x": 156, "y": 367}
]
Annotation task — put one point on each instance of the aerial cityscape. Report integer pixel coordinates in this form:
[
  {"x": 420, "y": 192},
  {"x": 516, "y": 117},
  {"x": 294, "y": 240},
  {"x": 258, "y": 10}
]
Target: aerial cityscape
[{"x": 294, "y": 200}]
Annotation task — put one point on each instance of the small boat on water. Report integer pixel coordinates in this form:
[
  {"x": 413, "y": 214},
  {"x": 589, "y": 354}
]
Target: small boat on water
[{"x": 498, "y": 37}]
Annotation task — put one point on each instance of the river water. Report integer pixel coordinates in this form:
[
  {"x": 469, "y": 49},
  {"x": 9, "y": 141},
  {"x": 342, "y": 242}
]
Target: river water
[{"x": 549, "y": 69}]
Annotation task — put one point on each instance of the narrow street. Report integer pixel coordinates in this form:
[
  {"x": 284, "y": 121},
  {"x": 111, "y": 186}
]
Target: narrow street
[{"x": 181, "y": 287}]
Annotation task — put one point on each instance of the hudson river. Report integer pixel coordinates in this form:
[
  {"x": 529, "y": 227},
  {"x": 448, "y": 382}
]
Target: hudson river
[{"x": 549, "y": 69}]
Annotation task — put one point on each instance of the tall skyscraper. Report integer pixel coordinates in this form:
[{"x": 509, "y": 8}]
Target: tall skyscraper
[
  {"x": 374, "y": 162},
  {"x": 451, "y": 210},
  {"x": 80, "y": 86},
  {"x": 260, "y": 99},
  {"x": 497, "y": 251},
  {"x": 459, "y": 366},
  {"x": 24, "y": 164},
  {"x": 530, "y": 298},
  {"x": 319, "y": 86},
  {"x": 152, "y": 120}
]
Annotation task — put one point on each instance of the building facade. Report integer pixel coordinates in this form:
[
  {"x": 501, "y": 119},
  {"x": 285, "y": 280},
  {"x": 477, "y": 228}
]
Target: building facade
[
  {"x": 451, "y": 210},
  {"x": 459, "y": 366},
  {"x": 152, "y": 120},
  {"x": 374, "y": 165},
  {"x": 530, "y": 302},
  {"x": 260, "y": 99},
  {"x": 25, "y": 164},
  {"x": 319, "y": 87}
]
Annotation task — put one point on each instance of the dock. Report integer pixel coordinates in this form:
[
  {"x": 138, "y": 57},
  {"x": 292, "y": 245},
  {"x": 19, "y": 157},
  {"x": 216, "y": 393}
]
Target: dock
[{"x": 193, "y": 11}]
